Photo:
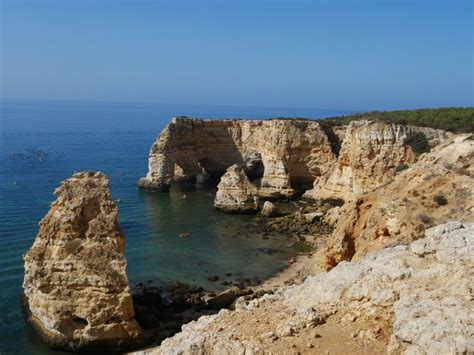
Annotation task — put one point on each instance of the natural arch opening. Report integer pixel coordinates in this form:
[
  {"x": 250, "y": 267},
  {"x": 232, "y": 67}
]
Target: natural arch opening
[
  {"x": 301, "y": 183},
  {"x": 254, "y": 167}
]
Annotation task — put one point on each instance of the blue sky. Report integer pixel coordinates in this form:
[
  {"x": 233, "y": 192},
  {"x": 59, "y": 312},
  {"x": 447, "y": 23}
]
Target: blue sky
[{"x": 361, "y": 55}]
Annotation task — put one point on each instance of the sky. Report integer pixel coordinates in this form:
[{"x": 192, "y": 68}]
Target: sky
[{"x": 359, "y": 54}]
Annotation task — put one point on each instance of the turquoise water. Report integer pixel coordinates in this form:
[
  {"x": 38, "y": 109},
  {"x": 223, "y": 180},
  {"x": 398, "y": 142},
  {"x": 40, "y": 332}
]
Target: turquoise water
[{"x": 42, "y": 143}]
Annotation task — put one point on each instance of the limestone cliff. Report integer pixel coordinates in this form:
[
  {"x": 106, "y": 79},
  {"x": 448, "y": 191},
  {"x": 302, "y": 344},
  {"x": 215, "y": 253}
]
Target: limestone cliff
[
  {"x": 75, "y": 286},
  {"x": 437, "y": 188},
  {"x": 392, "y": 192},
  {"x": 283, "y": 156},
  {"x": 369, "y": 154}
]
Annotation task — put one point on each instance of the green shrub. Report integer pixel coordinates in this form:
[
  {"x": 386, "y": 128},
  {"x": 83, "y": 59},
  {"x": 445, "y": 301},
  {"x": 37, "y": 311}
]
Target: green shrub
[
  {"x": 418, "y": 142},
  {"x": 454, "y": 119}
]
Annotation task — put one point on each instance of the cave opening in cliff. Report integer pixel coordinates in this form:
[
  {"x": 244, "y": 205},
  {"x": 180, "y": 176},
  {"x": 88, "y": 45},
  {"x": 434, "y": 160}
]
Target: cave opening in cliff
[
  {"x": 211, "y": 171},
  {"x": 300, "y": 174},
  {"x": 301, "y": 183},
  {"x": 255, "y": 171}
]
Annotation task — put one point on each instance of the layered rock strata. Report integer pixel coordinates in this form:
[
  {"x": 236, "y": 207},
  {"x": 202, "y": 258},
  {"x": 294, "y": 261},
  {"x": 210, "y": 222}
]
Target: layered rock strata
[
  {"x": 236, "y": 194},
  {"x": 76, "y": 289},
  {"x": 437, "y": 188},
  {"x": 283, "y": 156},
  {"x": 414, "y": 299},
  {"x": 370, "y": 153}
]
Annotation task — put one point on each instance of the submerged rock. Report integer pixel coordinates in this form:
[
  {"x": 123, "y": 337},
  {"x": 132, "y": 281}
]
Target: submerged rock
[
  {"x": 76, "y": 289},
  {"x": 236, "y": 194}
]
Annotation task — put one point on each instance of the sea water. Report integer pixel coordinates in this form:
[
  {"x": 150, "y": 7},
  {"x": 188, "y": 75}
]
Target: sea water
[{"x": 45, "y": 142}]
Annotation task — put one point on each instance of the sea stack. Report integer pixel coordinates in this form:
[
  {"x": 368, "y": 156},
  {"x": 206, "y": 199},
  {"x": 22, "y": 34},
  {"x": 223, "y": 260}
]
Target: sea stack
[
  {"x": 76, "y": 289},
  {"x": 235, "y": 193}
]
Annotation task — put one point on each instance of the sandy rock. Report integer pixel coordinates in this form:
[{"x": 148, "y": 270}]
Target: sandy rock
[
  {"x": 400, "y": 211},
  {"x": 370, "y": 152},
  {"x": 223, "y": 299},
  {"x": 75, "y": 286},
  {"x": 332, "y": 216},
  {"x": 312, "y": 216},
  {"x": 235, "y": 193}
]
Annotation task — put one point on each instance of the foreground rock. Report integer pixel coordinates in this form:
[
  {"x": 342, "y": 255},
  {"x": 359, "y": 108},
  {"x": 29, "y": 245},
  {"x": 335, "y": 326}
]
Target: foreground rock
[
  {"x": 407, "y": 299},
  {"x": 76, "y": 289},
  {"x": 235, "y": 193}
]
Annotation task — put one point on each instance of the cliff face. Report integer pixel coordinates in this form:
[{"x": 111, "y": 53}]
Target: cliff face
[
  {"x": 436, "y": 189},
  {"x": 390, "y": 191},
  {"x": 75, "y": 286},
  {"x": 284, "y": 156},
  {"x": 369, "y": 154}
]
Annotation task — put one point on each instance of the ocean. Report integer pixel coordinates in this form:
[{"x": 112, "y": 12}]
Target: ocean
[{"x": 45, "y": 142}]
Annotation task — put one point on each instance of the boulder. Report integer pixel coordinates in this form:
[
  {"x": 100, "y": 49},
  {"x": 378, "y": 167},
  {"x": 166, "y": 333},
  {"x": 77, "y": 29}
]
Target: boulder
[
  {"x": 76, "y": 289},
  {"x": 223, "y": 299},
  {"x": 312, "y": 216},
  {"x": 269, "y": 210}
]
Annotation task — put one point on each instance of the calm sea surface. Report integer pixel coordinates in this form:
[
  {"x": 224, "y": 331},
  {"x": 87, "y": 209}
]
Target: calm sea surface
[{"x": 42, "y": 143}]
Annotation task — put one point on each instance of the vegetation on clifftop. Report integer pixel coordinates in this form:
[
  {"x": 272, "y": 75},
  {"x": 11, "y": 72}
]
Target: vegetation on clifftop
[{"x": 454, "y": 119}]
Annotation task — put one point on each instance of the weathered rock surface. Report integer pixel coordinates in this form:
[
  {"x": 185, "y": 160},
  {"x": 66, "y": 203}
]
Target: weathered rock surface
[
  {"x": 235, "y": 193},
  {"x": 400, "y": 211},
  {"x": 369, "y": 153},
  {"x": 285, "y": 156},
  {"x": 75, "y": 286},
  {"x": 413, "y": 299}
]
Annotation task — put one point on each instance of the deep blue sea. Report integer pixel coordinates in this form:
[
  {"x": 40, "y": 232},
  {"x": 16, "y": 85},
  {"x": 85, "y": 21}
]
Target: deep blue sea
[{"x": 44, "y": 142}]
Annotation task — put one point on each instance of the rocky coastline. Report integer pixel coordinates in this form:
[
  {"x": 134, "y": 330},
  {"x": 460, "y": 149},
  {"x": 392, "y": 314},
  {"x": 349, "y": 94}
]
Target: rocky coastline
[{"x": 359, "y": 203}]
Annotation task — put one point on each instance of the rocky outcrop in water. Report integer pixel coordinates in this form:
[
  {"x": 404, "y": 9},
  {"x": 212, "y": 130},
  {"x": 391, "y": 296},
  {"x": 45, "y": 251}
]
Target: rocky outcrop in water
[
  {"x": 76, "y": 289},
  {"x": 283, "y": 157},
  {"x": 412, "y": 299},
  {"x": 236, "y": 194}
]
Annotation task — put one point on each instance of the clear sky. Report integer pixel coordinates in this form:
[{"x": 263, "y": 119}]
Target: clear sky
[{"x": 362, "y": 55}]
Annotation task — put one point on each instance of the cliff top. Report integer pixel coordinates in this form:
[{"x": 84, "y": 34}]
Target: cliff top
[{"x": 453, "y": 119}]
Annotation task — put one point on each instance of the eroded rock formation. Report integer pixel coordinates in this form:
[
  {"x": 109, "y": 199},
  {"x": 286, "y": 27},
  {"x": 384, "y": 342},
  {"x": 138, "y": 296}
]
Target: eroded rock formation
[
  {"x": 414, "y": 299},
  {"x": 369, "y": 154},
  {"x": 283, "y": 156},
  {"x": 437, "y": 188},
  {"x": 236, "y": 194},
  {"x": 75, "y": 286}
]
